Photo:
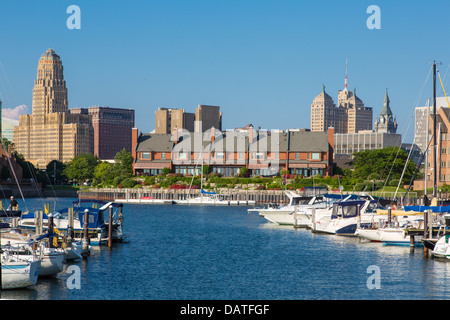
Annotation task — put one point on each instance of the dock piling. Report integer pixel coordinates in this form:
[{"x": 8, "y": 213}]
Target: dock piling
[
  {"x": 110, "y": 227},
  {"x": 85, "y": 251}
]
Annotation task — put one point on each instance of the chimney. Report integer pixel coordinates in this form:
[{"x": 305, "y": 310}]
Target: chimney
[
  {"x": 330, "y": 150},
  {"x": 213, "y": 134},
  {"x": 175, "y": 135}
]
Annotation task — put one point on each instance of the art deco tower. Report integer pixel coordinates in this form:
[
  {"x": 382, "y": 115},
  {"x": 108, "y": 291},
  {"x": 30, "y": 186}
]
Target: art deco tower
[
  {"x": 50, "y": 92},
  {"x": 51, "y": 132}
]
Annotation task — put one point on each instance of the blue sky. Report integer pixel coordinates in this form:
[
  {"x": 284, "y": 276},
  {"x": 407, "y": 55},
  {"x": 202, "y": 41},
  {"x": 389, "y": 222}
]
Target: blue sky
[{"x": 262, "y": 62}]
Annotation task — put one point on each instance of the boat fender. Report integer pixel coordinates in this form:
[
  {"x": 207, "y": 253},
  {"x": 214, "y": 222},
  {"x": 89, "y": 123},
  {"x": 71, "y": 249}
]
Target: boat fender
[{"x": 35, "y": 245}]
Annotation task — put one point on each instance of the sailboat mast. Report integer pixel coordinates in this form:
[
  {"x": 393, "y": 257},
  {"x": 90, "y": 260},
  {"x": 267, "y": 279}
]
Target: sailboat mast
[
  {"x": 426, "y": 150},
  {"x": 434, "y": 133}
]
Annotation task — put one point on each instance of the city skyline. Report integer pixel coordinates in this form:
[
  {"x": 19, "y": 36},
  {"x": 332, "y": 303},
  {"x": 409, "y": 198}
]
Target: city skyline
[{"x": 262, "y": 62}]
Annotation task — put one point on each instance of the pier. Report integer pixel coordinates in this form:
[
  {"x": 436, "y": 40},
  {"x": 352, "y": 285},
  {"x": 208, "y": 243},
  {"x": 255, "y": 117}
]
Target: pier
[{"x": 169, "y": 196}]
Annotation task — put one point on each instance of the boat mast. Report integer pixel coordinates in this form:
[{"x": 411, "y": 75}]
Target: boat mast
[
  {"x": 426, "y": 150},
  {"x": 434, "y": 133}
]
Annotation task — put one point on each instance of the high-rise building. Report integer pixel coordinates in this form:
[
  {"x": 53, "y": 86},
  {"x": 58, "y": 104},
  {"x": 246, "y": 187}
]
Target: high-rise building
[
  {"x": 207, "y": 117},
  {"x": 204, "y": 118},
  {"x": 112, "y": 130},
  {"x": 51, "y": 132},
  {"x": 167, "y": 119},
  {"x": 349, "y": 116}
]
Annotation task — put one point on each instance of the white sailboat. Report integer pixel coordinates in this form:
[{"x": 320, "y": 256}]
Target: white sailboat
[
  {"x": 210, "y": 198},
  {"x": 18, "y": 273}
]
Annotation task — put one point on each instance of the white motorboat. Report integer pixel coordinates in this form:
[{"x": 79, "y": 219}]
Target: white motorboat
[
  {"x": 345, "y": 217},
  {"x": 296, "y": 211},
  {"x": 18, "y": 273}
]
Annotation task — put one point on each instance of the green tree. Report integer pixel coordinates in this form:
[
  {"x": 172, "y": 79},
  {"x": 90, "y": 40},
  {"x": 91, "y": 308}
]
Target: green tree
[
  {"x": 389, "y": 163},
  {"x": 55, "y": 171},
  {"x": 81, "y": 167},
  {"x": 123, "y": 163}
]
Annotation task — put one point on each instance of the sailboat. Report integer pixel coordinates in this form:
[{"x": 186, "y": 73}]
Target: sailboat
[{"x": 210, "y": 198}]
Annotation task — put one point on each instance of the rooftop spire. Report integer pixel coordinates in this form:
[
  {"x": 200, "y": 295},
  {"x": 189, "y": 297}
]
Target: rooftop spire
[
  {"x": 346, "y": 80},
  {"x": 386, "y": 108}
]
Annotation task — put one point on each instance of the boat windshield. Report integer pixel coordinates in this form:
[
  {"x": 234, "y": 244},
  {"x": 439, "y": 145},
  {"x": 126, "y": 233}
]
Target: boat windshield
[{"x": 301, "y": 200}]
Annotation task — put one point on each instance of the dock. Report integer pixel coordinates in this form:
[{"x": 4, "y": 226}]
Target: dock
[{"x": 168, "y": 196}]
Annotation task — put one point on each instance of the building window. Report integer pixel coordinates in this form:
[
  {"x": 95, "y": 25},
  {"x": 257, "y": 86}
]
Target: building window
[
  {"x": 163, "y": 155},
  {"x": 182, "y": 156},
  {"x": 315, "y": 156},
  {"x": 297, "y": 156},
  {"x": 145, "y": 155},
  {"x": 259, "y": 156},
  {"x": 219, "y": 155}
]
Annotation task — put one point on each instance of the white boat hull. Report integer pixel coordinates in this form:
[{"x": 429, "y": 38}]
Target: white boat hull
[
  {"x": 397, "y": 236},
  {"x": 19, "y": 274},
  {"x": 442, "y": 248}
]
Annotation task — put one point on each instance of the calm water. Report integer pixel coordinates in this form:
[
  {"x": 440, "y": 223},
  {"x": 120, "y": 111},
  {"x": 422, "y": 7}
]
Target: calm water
[{"x": 224, "y": 253}]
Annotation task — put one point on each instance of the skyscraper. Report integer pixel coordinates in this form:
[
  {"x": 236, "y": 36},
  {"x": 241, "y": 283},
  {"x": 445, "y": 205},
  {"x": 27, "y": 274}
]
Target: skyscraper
[
  {"x": 349, "y": 116},
  {"x": 51, "y": 132}
]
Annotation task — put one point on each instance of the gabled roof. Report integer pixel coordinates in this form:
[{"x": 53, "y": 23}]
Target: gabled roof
[
  {"x": 308, "y": 141},
  {"x": 154, "y": 142}
]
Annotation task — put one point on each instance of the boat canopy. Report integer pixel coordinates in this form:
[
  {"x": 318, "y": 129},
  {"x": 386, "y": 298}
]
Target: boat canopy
[
  {"x": 340, "y": 196},
  {"x": 346, "y": 209},
  {"x": 205, "y": 192},
  {"x": 425, "y": 208},
  {"x": 102, "y": 203},
  {"x": 4, "y": 225}
]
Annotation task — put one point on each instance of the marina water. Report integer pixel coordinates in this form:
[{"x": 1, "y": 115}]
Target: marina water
[{"x": 224, "y": 253}]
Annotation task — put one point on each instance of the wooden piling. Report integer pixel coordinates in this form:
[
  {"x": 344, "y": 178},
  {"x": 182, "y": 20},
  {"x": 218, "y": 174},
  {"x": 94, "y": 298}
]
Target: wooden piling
[
  {"x": 411, "y": 243},
  {"x": 389, "y": 217},
  {"x": 313, "y": 219},
  {"x": 50, "y": 229},
  {"x": 295, "y": 217},
  {"x": 110, "y": 227},
  {"x": 358, "y": 217},
  {"x": 70, "y": 231},
  {"x": 85, "y": 251}
]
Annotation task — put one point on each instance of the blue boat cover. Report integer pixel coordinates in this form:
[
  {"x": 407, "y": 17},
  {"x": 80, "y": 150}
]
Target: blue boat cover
[
  {"x": 204, "y": 192},
  {"x": 424, "y": 208}
]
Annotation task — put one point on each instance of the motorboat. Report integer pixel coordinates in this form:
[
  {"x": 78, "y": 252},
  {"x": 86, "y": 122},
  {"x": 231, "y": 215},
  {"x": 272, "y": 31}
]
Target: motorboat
[
  {"x": 294, "y": 213},
  {"x": 98, "y": 220},
  {"x": 346, "y": 216}
]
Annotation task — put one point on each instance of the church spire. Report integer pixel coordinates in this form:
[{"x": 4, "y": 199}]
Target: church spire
[{"x": 386, "y": 110}]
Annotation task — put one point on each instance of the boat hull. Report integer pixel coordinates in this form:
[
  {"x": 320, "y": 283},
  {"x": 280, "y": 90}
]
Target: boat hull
[{"x": 19, "y": 274}]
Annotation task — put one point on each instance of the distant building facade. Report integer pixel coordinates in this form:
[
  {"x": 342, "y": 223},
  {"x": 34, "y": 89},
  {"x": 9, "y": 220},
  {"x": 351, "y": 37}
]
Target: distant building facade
[
  {"x": 51, "y": 132},
  {"x": 204, "y": 118},
  {"x": 384, "y": 135},
  {"x": 167, "y": 119},
  {"x": 111, "y": 129},
  {"x": 262, "y": 152},
  {"x": 350, "y": 116}
]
